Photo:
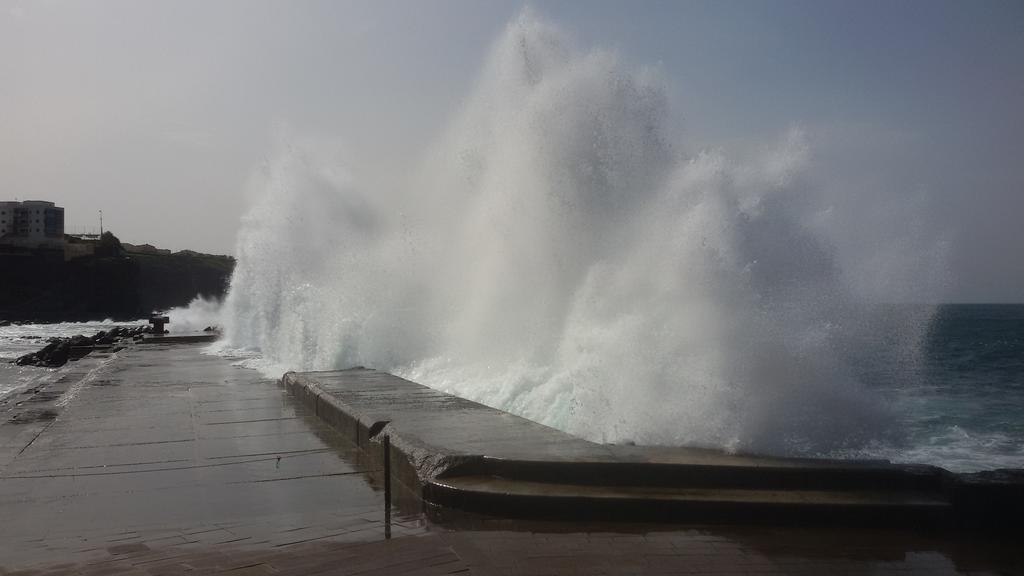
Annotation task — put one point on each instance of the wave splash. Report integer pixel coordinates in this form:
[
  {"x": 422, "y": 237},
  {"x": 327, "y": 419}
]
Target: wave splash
[{"x": 557, "y": 256}]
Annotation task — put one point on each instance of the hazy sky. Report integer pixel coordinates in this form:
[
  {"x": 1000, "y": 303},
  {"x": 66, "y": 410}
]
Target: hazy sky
[{"x": 159, "y": 113}]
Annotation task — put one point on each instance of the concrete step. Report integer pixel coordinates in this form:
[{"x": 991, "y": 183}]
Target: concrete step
[
  {"x": 766, "y": 474},
  {"x": 499, "y": 496}
]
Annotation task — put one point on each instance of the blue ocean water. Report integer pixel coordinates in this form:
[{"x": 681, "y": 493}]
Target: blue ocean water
[{"x": 962, "y": 404}]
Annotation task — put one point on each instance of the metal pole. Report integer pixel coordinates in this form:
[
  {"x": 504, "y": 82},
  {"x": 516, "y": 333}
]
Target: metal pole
[
  {"x": 387, "y": 487},
  {"x": 101, "y": 222}
]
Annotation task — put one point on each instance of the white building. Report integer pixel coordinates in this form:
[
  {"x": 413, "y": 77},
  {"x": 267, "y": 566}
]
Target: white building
[{"x": 31, "y": 224}]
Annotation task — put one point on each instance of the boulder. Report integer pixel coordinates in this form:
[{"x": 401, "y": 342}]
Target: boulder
[{"x": 58, "y": 351}]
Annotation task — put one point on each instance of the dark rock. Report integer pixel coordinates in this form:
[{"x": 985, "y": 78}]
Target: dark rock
[
  {"x": 80, "y": 340},
  {"x": 58, "y": 351},
  {"x": 53, "y": 355},
  {"x": 59, "y": 356},
  {"x": 106, "y": 338}
]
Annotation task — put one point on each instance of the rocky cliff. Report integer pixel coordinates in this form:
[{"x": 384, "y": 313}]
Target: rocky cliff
[{"x": 39, "y": 285}]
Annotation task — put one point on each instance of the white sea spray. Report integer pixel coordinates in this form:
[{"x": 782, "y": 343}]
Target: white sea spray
[{"x": 559, "y": 255}]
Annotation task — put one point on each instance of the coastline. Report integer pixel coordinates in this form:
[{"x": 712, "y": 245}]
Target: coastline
[
  {"x": 166, "y": 460},
  {"x": 115, "y": 281},
  {"x": 21, "y": 340}
]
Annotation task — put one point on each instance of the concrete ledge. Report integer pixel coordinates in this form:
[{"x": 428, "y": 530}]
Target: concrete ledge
[
  {"x": 516, "y": 499},
  {"x": 413, "y": 461},
  {"x": 183, "y": 339},
  {"x": 461, "y": 455}
]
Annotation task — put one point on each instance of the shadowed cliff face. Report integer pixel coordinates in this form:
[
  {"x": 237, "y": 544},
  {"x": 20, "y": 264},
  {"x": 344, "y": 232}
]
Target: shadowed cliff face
[
  {"x": 169, "y": 281},
  {"x": 40, "y": 285}
]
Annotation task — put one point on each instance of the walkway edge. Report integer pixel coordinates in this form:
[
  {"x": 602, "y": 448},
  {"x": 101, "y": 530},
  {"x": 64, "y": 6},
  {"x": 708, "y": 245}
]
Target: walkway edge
[
  {"x": 435, "y": 453},
  {"x": 414, "y": 463}
]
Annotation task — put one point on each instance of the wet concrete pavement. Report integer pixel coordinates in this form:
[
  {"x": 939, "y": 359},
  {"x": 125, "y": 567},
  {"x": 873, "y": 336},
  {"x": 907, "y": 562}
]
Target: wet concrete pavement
[
  {"x": 161, "y": 460},
  {"x": 163, "y": 445}
]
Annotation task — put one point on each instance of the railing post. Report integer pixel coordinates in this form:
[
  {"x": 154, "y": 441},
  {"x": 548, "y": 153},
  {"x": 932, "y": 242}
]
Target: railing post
[{"x": 387, "y": 487}]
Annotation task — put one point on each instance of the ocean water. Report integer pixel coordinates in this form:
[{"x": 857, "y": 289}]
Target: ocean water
[{"x": 966, "y": 409}]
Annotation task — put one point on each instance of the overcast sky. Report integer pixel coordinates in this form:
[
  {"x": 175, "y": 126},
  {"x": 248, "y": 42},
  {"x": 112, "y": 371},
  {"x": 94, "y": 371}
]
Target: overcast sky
[{"x": 158, "y": 113}]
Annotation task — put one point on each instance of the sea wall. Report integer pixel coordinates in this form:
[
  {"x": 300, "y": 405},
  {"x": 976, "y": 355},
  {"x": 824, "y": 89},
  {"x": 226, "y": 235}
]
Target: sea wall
[{"x": 460, "y": 455}]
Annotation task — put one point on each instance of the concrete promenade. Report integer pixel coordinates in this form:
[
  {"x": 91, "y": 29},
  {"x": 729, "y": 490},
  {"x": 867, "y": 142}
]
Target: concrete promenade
[
  {"x": 160, "y": 460},
  {"x": 456, "y": 454}
]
